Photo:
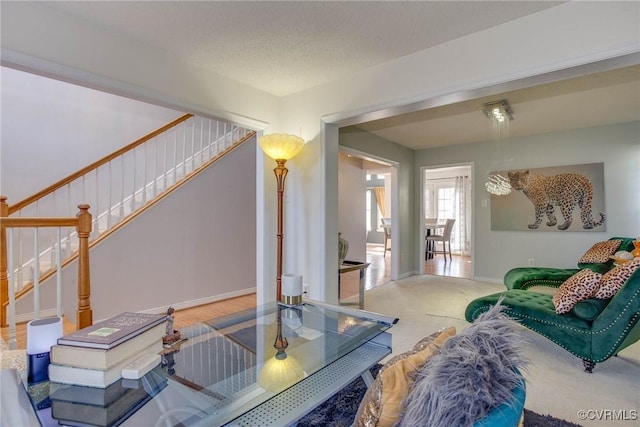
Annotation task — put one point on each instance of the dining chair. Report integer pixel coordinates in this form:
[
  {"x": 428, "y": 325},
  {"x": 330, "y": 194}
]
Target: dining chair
[
  {"x": 430, "y": 225},
  {"x": 444, "y": 238},
  {"x": 386, "y": 226}
]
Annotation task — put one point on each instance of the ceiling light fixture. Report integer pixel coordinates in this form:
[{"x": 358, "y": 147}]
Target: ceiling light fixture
[
  {"x": 499, "y": 111},
  {"x": 500, "y": 114},
  {"x": 498, "y": 185}
]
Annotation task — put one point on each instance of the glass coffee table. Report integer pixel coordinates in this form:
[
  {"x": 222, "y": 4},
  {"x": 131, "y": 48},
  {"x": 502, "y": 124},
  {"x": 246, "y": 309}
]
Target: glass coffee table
[{"x": 269, "y": 365}]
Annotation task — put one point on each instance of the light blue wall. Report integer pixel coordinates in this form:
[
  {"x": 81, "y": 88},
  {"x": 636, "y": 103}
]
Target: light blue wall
[{"x": 618, "y": 146}]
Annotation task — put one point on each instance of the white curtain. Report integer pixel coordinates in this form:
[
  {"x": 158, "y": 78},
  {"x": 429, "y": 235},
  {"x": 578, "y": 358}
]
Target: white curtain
[{"x": 459, "y": 235}]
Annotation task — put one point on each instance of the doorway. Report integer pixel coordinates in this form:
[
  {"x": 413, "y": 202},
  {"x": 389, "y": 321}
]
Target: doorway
[
  {"x": 367, "y": 195},
  {"x": 378, "y": 222},
  {"x": 447, "y": 195}
]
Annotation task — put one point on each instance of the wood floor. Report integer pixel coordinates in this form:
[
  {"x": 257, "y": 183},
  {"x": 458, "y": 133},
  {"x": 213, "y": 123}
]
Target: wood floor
[
  {"x": 182, "y": 318},
  {"x": 458, "y": 266},
  {"x": 201, "y": 313}
]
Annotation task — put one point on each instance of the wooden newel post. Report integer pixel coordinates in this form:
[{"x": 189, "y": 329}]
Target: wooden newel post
[
  {"x": 4, "y": 278},
  {"x": 84, "y": 316}
]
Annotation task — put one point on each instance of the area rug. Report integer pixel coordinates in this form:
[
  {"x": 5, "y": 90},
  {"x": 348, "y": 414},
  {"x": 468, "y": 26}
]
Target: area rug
[{"x": 340, "y": 410}]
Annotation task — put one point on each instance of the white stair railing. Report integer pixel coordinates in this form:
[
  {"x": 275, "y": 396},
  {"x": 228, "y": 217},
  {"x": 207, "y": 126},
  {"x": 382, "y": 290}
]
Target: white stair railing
[
  {"x": 120, "y": 185},
  {"x": 10, "y": 287}
]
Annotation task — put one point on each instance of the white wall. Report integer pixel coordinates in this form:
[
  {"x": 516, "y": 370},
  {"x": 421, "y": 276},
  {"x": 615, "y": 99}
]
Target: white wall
[
  {"x": 618, "y": 146},
  {"x": 207, "y": 231},
  {"x": 351, "y": 206},
  {"x": 52, "y": 129},
  {"x": 573, "y": 33},
  {"x": 64, "y": 46}
]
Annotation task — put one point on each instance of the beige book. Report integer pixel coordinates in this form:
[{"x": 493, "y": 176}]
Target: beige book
[{"x": 92, "y": 377}]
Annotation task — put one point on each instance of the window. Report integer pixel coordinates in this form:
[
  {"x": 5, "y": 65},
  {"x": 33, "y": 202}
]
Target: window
[{"x": 445, "y": 202}]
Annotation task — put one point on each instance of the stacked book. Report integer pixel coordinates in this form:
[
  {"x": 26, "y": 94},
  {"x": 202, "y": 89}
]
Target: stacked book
[{"x": 95, "y": 356}]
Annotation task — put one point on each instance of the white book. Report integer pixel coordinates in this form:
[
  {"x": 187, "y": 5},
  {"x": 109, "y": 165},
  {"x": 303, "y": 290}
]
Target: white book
[
  {"x": 92, "y": 377},
  {"x": 96, "y": 358}
]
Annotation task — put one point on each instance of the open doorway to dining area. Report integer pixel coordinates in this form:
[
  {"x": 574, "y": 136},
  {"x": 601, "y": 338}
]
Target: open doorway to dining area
[
  {"x": 365, "y": 205},
  {"x": 378, "y": 220},
  {"x": 448, "y": 217}
]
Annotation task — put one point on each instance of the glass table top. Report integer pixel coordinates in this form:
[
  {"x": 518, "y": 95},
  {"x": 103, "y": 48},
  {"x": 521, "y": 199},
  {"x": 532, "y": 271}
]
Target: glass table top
[{"x": 227, "y": 367}]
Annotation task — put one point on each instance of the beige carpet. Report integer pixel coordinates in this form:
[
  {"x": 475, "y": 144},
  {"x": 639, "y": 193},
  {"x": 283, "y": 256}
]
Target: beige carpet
[{"x": 556, "y": 382}]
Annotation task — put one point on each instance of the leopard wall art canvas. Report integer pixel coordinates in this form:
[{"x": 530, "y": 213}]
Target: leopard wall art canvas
[{"x": 568, "y": 198}]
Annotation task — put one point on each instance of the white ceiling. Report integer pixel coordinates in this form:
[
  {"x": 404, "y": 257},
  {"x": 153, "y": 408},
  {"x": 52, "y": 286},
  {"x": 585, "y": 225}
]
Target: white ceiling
[
  {"x": 287, "y": 46},
  {"x": 283, "y": 47},
  {"x": 593, "y": 100}
]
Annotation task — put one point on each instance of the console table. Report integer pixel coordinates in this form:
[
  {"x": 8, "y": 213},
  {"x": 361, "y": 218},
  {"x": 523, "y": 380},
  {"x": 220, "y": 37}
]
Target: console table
[
  {"x": 217, "y": 376},
  {"x": 348, "y": 266}
]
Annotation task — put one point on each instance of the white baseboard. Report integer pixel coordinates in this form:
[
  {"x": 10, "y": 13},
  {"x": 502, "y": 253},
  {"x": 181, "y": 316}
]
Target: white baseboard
[
  {"x": 26, "y": 317},
  {"x": 407, "y": 274},
  {"x": 201, "y": 301}
]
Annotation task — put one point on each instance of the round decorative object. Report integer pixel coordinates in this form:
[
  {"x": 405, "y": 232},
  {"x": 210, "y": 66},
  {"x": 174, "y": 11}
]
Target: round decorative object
[
  {"x": 343, "y": 248},
  {"x": 621, "y": 257}
]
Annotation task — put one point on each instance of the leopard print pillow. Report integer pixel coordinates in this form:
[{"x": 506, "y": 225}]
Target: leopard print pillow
[
  {"x": 581, "y": 286},
  {"x": 600, "y": 252},
  {"x": 613, "y": 280}
]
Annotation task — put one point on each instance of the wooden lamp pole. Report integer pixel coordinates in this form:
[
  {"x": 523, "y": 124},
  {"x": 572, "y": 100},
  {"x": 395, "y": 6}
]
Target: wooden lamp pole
[{"x": 281, "y": 173}]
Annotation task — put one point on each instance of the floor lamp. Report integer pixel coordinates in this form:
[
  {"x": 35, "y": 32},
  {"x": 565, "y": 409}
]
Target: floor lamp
[{"x": 280, "y": 147}]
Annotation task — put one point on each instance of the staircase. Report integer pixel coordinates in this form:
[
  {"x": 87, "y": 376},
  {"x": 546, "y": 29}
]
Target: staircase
[{"x": 117, "y": 188}]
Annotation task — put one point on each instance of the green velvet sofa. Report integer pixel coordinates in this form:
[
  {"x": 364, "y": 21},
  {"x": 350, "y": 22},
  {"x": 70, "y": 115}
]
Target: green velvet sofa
[
  {"x": 594, "y": 330},
  {"x": 527, "y": 277}
]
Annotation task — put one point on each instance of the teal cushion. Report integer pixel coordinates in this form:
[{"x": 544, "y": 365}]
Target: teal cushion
[
  {"x": 508, "y": 414},
  {"x": 590, "y": 308},
  {"x": 627, "y": 243},
  {"x": 597, "y": 267}
]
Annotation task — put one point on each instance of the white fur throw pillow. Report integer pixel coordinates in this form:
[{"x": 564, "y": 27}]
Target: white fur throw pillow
[{"x": 473, "y": 372}]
